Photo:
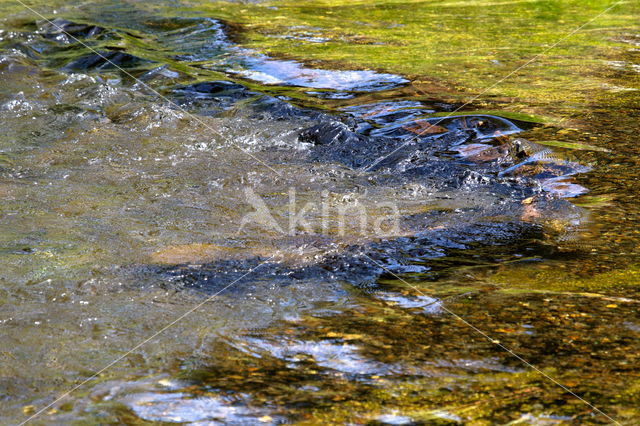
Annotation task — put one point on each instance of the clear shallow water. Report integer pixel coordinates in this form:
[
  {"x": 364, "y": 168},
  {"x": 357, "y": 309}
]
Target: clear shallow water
[{"x": 105, "y": 183}]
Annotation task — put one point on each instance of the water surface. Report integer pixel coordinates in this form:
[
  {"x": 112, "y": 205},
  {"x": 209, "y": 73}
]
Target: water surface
[{"x": 124, "y": 193}]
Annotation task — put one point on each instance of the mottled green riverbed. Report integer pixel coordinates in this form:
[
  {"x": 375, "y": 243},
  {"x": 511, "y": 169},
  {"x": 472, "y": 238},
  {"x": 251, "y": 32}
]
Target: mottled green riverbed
[{"x": 98, "y": 175}]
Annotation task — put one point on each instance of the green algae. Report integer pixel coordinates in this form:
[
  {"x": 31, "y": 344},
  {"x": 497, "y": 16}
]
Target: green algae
[
  {"x": 547, "y": 278},
  {"x": 473, "y": 46},
  {"x": 573, "y": 145},
  {"x": 502, "y": 113}
]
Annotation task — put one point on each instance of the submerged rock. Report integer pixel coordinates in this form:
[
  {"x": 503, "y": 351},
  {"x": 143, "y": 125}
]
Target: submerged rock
[
  {"x": 104, "y": 60},
  {"x": 216, "y": 89},
  {"x": 64, "y": 31},
  {"x": 476, "y": 202}
]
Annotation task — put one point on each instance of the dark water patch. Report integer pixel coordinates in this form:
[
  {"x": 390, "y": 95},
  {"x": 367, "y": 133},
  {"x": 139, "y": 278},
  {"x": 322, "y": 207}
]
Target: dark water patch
[
  {"x": 209, "y": 98},
  {"x": 105, "y": 60},
  {"x": 214, "y": 97},
  {"x": 66, "y": 44},
  {"x": 66, "y": 32},
  {"x": 427, "y": 255}
]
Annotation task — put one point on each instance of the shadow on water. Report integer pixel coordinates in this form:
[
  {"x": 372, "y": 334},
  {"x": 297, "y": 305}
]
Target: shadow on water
[{"x": 123, "y": 209}]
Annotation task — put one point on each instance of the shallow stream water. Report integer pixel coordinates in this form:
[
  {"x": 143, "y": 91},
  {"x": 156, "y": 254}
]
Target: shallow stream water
[{"x": 363, "y": 245}]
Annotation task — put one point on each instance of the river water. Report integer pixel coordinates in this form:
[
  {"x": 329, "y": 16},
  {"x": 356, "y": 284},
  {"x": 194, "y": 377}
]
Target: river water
[{"x": 195, "y": 229}]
